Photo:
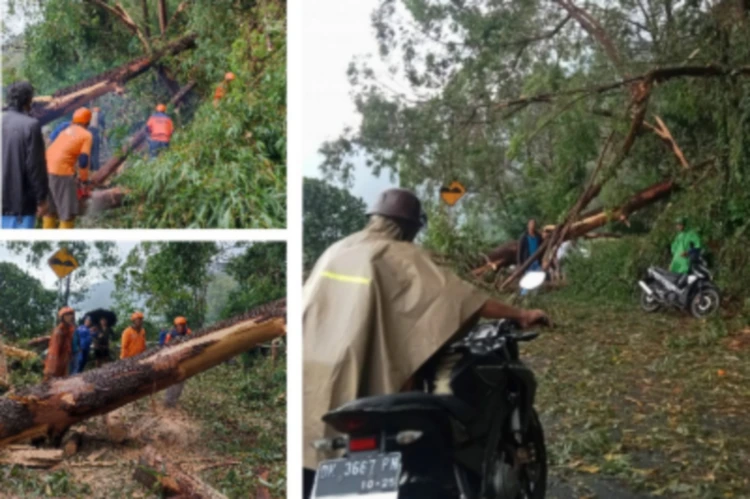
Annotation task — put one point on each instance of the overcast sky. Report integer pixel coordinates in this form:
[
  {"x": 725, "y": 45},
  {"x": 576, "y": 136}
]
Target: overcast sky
[
  {"x": 334, "y": 32},
  {"x": 45, "y": 274}
]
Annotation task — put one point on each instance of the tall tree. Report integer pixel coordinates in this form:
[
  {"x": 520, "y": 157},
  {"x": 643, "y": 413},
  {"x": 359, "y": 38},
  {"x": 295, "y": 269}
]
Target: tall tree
[
  {"x": 329, "y": 214},
  {"x": 28, "y": 308}
]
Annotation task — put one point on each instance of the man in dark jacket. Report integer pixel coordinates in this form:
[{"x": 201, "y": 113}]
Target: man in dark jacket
[
  {"x": 24, "y": 166},
  {"x": 528, "y": 243}
]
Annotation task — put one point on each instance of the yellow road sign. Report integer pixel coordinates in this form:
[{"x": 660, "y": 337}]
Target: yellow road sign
[
  {"x": 452, "y": 193},
  {"x": 62, "y": 262}
]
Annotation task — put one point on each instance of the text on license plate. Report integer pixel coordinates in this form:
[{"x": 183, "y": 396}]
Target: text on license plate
[{"x": 362, "y": 475}]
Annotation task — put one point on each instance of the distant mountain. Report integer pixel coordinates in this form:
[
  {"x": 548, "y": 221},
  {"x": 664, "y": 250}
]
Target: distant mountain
[{"x": 98, "y": 296}]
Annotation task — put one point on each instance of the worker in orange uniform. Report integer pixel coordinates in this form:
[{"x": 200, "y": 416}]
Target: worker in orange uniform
[
  {"x": 223, "y": 88},
  {"x": 134, "y": 337},
  {"x": 160, "y": 129},
  {"x": 180, "y": 330},
  {"x": 67, "y": 158},
  {"x": 60, "y": 350}
]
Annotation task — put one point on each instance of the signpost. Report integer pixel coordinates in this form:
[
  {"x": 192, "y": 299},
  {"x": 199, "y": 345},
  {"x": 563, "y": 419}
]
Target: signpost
[
  {"x": 451, "y": 194},
  {"x": 63, "y": 263}
]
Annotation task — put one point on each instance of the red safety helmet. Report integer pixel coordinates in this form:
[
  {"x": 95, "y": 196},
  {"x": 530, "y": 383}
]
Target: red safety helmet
[
  {"x": 229, "y": 76},
  {"x": 82, "y": 116},
  {"x": 136, "y": 315},
  {"x": 161, "y": 108},
  {"x": 180, "y": 321}
]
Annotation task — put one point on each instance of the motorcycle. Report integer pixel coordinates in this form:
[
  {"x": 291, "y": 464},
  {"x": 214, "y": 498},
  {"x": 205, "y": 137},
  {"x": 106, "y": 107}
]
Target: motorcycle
[
  {"x": 694, "y": 291},
  {"x": 480, "y": 440}
]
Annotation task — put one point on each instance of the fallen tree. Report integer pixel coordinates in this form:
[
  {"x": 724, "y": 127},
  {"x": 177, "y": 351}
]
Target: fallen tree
[
  {"x": 66, "y": 100},
  {"x": 135, "y": 141},
  {"x": 50, "y": 408},
  {"x": 157, "y": 473},
  {"x": 504, "y": 255}
]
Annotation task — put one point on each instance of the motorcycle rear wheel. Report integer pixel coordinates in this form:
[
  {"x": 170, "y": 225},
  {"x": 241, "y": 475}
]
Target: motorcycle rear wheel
[
  {"x": 704, "y": 303},
  {"x": 648, "y": 302}
]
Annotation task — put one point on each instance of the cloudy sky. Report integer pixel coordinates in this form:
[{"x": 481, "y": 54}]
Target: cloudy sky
[
  {"x": 334, "y": 32},
  {"x": 45, "y": 274}
]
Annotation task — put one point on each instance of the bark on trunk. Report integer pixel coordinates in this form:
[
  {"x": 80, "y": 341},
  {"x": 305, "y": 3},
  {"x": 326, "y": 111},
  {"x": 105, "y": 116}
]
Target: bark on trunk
[
  {"x": 66, "y": 100},
  {"x": 135, "y": 141},
  {"x": 498, "y": 257},
  {"x": 156, "y": 471},
  {"x": 51, "y": 408}
]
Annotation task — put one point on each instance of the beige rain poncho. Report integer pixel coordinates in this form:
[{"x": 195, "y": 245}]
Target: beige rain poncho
[{"x": 375, "y": 309}]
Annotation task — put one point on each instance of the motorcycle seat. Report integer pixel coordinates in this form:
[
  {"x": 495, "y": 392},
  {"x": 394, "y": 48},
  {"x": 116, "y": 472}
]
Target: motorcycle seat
[
  {"x": 671, "y": 276},
  {"x": 409, "y": 401}
]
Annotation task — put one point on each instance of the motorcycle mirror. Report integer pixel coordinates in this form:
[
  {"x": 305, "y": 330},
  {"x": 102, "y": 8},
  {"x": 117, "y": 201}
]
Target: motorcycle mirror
[{"x": 532, "y": 280}]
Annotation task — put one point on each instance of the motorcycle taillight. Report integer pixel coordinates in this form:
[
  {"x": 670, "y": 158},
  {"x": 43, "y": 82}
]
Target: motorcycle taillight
[{"x": 363, "y": 444}]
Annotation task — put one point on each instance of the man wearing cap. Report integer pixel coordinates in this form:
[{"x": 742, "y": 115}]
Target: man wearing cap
[
  {"x": 180, "y": 330},
  {"x": 223, "y": 88},
  {"x": 68, "y": 166},
  {"x": 160, "y": 129},
  {"x": 24, "y": 169},
  {"x": 375, "y": 309},
  {"x": 134, "y": 337},
  {"x": 60, "y": 351},
  {"x": 685, "y": 241}
]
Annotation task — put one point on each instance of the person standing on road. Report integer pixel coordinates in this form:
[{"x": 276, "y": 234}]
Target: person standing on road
[
  {"x": 60, "y": 351},
  {"x": 180, "y": 330},
  {"x": 528, "y": 243},
  {"x": 685, "y": 241},
  {"x": 67, "y": 158},
  {"x": 101, "y": 339},
  {"x": 24, "y": 168},
  {"x": 134, "y": 337}
]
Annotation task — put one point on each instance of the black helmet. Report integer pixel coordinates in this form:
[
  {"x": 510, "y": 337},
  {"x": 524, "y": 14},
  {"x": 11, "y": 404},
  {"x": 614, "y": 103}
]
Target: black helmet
[{"x": 401, "y": 204}]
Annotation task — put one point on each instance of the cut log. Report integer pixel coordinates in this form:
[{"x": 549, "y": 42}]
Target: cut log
[
  {"x": 50, "y": 408},
  {"x": 156, "y": 472},
  {"x": 66, "y": 100},
  {"x": 18, "y": 353},
  {"x": 31, "y": 457},
  {"x": 583, "y": 227},
  {"x": 135, "y": 141},
  {"x": 40, "y": 342}
]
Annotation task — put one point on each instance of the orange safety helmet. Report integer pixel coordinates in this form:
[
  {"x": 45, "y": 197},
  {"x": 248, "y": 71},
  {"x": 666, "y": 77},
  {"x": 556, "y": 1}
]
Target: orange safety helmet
[
  {"x": 65, "y": 311},
  {"x": 180, "y": 321},
  {"x": 82, "y": 116},
  {"x": 136, "y": 315},
  {"x": 161, "y": 108},
  {"x": 229, "y": 76}
]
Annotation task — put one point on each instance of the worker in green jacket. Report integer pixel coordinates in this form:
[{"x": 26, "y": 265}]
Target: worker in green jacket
[{"x": 682, "y": 244}]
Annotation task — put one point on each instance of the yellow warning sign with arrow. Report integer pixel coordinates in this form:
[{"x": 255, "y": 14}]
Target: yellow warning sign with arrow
[
  {"x": 62, "y": 263},
  {"x": 452, "y": 193}
]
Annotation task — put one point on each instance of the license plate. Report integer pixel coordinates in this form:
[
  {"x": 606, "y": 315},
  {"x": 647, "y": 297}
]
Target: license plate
[{"x": 373, "y": 476}]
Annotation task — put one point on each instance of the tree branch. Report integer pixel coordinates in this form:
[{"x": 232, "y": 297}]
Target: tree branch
[{"x": 120, "y": 13}]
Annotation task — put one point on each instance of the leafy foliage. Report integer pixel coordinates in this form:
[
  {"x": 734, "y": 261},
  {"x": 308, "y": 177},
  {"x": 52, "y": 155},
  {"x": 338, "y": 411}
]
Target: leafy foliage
[
  {"x": 329, "y": 214},
  {"x": 28, "y": 308},
  {"x": 467, "y": 67},
  {"x": 261, "y": 276}
]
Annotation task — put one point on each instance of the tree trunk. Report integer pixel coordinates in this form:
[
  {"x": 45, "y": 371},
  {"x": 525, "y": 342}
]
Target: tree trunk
[
  {"x": 135, "y": 141},
  {"x": 591, "y": 221},
  {"x": 66, "y": 100},
  {"x": 163, "y": 16},
  {"x": 154, "y": 470},
  {"x": 50, "y": 408}
]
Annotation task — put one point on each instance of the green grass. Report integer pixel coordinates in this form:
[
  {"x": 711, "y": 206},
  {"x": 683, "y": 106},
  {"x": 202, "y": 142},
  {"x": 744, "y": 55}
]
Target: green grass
[
  {"x": 239, "y": 414},
  {"x": 657, "y": 402}
]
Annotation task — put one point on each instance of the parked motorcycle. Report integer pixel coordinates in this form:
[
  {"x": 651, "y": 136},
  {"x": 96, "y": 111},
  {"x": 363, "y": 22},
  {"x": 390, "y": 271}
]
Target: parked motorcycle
[
  {"x": 694, "y": 291},
  {"x": 482, "y": 439}
]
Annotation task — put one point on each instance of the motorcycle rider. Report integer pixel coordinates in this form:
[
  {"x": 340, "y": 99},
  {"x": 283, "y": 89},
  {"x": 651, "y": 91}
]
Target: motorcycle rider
[
  {"x": 685, "y": 241},
  {"x": 375, "y": 309}
]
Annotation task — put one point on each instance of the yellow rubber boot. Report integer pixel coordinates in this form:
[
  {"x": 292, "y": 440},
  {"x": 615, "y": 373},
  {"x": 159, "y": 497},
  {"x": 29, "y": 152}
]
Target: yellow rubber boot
[
  {"x": 49, "y": 222},
  {"x": 67, "y": 224}
]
